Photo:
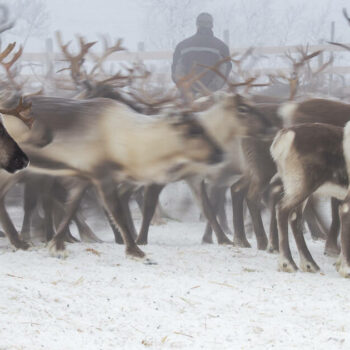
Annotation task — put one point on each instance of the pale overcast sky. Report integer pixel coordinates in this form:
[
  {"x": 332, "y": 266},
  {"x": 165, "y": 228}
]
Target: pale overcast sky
[{"x": 162, "y": 23}]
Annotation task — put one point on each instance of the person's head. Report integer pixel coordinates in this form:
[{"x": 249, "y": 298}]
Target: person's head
[{"x": 205, "y": 20}]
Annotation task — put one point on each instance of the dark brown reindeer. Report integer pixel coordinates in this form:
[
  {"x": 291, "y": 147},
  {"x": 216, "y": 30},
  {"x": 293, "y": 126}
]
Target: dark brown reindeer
[
  {"x": 309, "y": 159},
  {"x": 259, "y": 168},
  {"x": 322, "y": 111}
]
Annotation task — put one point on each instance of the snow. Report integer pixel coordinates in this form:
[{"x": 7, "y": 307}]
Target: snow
[{"x": 196, "y": 296}]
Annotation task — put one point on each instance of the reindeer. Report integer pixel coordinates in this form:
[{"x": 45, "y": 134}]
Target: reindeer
[
  {"x": 259, "y": 168},
  {"x": 223, "y": 176},
  {"x": 309, "y": 159},
  {"x": 105, "y": 156}
]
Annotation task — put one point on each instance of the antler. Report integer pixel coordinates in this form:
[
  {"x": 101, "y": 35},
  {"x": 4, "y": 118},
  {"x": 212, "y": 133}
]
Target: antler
[
  {"x": 8, "y": 65},
  {"x": 77, "y": 60},
  {"x": 232, "y": 86},
  {"x": 108, "y": 50},
  {"x": 17, "y": 112},
  {"x": 239, "y": 62},
  {"x": 305, "y": 58}
]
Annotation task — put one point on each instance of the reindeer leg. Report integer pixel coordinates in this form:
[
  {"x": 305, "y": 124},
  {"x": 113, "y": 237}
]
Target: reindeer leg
[
  {"x": 10, "y": 229},
  {"x": 208, "y": 234},
  {"x": 274, "y": 196},
  {"x": 57, "y": 246},
  {"x": 115, "y": 208},
  {"x": 286, "y": 262},
  {"x": 343, "y": 263},
  {"x": 222, "y": 217},
  {"x": 258, "y": 225},
  {"x": 125, "y": 198},
  {"x": 331, "y": 247},
  {"x": 85, "y": 232},
  {"x": 29, "y": 202},
  {"x": 151, "y": 197},
  {"x": 307, "y": 263},
  {"x": 47, "y": 199},
  {"x": 210, "y": 215},
  {"x": 237, "y": 197},
  {"x": 311, "y": 220},
  {"x": 117, "y": 235},
  {"x": 214, "y": 199}
]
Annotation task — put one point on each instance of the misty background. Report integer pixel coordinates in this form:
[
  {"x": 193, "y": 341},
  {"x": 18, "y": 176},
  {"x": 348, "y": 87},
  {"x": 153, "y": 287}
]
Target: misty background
[{"x": 160, "y": 24}]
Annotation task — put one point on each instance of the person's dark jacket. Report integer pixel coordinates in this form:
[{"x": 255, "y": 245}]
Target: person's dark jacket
[{"x": 201, "y": 48}]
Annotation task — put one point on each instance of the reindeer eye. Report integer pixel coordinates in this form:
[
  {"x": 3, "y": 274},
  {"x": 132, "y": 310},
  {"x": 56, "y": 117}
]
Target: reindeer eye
[
  {"x": 243, "y": 109},
  {"x": 195, "y": 131}
]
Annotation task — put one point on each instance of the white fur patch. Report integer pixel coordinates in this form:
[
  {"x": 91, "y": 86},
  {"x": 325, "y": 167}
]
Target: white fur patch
[
  {"x": 345, "y": 208},
  {"x": 281, "y": 145},
  {"x": 288, "y": 164},
  {"x": 277, "y": 189},
  {"x": 61, "y": 254},
  {"x": 329, "y": 189},
  {"x": 343, "y": 267},
  {"x": 286, "y": 111},
  {"x": 293, "y": 217}
]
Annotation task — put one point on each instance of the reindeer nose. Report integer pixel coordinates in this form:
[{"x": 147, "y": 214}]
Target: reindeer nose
[{"x": 21, "y": 162}]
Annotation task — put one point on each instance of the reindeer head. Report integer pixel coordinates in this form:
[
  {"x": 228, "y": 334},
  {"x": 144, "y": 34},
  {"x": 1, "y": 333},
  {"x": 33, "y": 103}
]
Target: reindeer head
[
  {"x": 12, "y": 158},
  {"x": 200, "y": 146},
  {"x": 232, "y": 116}
]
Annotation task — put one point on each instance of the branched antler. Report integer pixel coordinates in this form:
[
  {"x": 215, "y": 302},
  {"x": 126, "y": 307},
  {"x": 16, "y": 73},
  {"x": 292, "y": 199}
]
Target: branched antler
[
  {"x": 75, "y": 61},
  {"x": 9, "y": 65},
  {"x": 108, "y": 50},
  {"x": 21, "y": 111}
]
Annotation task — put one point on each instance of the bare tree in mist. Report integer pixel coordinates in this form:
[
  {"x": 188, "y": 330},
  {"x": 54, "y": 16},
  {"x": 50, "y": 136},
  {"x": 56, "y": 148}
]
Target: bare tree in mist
[
  {"x": 168, "y": 22},
  {"x": 249, "y": 22},
  {"x": 31, "y": 19}
]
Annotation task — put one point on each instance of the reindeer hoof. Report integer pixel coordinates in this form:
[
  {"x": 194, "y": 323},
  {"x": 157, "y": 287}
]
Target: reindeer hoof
[
  {"x": 332, "y": 250},
  {"x": 308, "y": 266},
  {"x": 242, "y": 243},
  {"x": 343, "y": 267},
  {"x": 207, "y": 240},
  {"x": 272, "y": 248},
  {"x": 287, "y": 266},
  {"x": 225, "y": 241},
  {"x": 262, "y": 244},
  {"x": 20, "y": 244},
  {"x": 141, "y": 241},
  {"x": 135, "y": 251},
  {"x": 57, "y": 250}
]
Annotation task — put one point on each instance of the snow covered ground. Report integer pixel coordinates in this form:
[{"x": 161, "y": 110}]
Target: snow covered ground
[{"x": 195, "y": 297}]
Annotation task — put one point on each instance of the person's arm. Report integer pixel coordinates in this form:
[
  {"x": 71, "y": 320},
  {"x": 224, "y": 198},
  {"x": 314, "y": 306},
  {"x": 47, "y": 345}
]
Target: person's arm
[
  {"x": 225, "y": 52},
  {"x": 176, "y": 57}
]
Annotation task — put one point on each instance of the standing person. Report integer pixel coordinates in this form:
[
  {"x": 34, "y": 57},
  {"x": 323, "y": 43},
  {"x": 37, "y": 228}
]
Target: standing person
[{"x": 201, "y": 48}]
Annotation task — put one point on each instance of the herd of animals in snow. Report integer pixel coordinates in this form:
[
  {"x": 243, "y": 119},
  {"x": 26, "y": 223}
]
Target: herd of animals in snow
[{"x": 117, "y": 137}]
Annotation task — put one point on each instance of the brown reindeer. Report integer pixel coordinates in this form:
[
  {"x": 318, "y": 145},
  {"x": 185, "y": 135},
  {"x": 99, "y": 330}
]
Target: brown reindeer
[
  {"x": 322, "y": 111},
  {"x": 309, "y": 160}
]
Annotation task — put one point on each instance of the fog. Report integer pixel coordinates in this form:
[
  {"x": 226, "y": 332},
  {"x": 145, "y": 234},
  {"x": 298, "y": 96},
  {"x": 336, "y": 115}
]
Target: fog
[{"x": 160, "y": 24}]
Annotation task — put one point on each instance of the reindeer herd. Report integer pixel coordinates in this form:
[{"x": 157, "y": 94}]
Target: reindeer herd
[{"x": 112, "y": 137}]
